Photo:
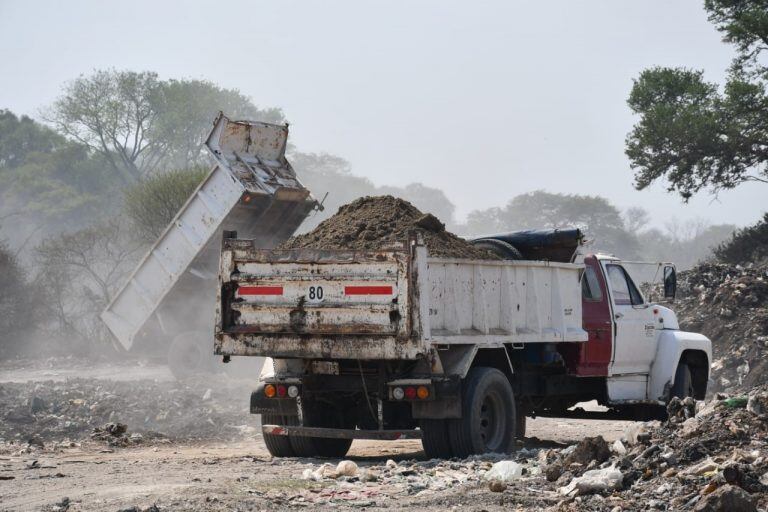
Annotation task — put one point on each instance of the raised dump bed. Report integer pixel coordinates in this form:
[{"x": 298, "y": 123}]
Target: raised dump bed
[{"x": 252, "y": 189}]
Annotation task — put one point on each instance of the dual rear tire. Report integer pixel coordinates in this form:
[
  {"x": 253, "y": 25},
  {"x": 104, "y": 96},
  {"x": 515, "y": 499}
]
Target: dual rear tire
[
  {"x": 296, "y": 446},
  {"x": 488, "y": 422}
]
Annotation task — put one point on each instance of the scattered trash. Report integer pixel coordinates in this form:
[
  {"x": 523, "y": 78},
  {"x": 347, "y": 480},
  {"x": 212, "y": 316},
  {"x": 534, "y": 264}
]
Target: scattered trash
[
  {"x": 77, "y": 409},
  {"x": 594, "y": 481},
  {"x": 346, "y": 468},
  {"x": 727, "y": 498},
  {"x": 504, "y": 471},
  {"x": 729, "y": 305},
  {"x": 736, "y": 402}
]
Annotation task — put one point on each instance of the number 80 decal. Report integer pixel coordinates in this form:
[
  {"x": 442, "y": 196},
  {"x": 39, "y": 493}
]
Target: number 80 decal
[{"x": 315, "y": 293}]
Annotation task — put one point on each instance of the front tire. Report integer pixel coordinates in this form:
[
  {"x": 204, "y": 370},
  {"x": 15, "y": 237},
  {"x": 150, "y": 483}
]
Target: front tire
[
  {"x": 683, "y": 386},
  {"x": 488, "y": 421}
]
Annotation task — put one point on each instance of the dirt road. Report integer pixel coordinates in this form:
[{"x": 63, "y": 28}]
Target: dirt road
[
  {"x": 226, "y": 476},
  {"x": 180, "y": 473}
]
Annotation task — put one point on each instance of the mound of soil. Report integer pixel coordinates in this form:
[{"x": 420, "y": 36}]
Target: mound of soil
[{"x": 381, "y": 221}]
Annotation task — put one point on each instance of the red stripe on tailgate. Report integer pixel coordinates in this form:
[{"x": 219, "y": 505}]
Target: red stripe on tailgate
[
  {"x": 260, "y": 290},
  {"x": 367, "y": 290}
]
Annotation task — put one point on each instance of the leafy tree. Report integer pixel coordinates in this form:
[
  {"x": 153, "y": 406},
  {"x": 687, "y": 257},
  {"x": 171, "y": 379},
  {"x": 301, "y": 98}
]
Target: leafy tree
[
  {"x": 17, "y": 309},
  {"x": 20, "y": 136},
  {"x": 426, "y": 199},
  {"x": 185, "y": 111},
  {"x": 636, "y": 219},
  {"x": 152, "y": 203},
  {"x": 601, "y": 221},
  {"x": 691, "y": 133},
  {"x": 52, "y": 183},
  {"x": 746, "y": 245},
  {"x": 140, "y": 124},
  {"x": 684, "y": 243},
  {"x": 81, "y": 271},
  {"x": 328, "y": 174},
  {"x": 112, "y": 113}
]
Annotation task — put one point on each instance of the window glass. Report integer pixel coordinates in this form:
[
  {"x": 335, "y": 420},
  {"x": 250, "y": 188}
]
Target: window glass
[
  {"x": 590, "y": 286},
  {"x": 623, "y": 288},
  {"x": 619, "y": 286},
  {"x": 634, "y": 293}
]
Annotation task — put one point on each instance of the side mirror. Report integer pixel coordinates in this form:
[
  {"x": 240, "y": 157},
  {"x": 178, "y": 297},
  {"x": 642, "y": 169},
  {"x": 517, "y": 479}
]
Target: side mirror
[{"x": 670, "y": 283}]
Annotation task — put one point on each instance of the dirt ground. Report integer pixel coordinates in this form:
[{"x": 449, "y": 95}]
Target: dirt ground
[
  {"x": 234, "y": 475},
  {"x": 219, "y": 476}
]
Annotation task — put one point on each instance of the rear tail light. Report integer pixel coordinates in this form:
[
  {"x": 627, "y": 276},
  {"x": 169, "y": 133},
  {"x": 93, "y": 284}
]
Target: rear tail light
[
  {"x": 281, "y": 391},
  {"x": 411, "y": 392}
]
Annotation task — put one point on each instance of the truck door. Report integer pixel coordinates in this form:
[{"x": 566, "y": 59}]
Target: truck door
[
  {"x": 596, "y": 314},
  {"x": 635, "y": 342}
]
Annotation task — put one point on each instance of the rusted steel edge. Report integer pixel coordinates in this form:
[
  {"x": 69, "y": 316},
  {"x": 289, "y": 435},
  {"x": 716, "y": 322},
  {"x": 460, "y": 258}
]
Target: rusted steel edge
[{"x": 340, "y": 433}]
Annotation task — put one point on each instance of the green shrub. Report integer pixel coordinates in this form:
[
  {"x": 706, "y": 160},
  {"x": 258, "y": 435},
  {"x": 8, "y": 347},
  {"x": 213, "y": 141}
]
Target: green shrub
[
  {"x": 747, "y": 245},
  {"x": 153, "y": 203}
]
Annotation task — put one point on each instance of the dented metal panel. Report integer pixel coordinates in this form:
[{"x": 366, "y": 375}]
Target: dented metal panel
[
  {"x": 314, "y": 303},
  {"x": 503, "y": 301},
  {"x": 388, "y": 304}
]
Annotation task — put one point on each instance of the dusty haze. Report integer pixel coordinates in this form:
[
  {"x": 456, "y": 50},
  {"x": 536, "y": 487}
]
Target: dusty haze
[{"x": 484, "y": 101}]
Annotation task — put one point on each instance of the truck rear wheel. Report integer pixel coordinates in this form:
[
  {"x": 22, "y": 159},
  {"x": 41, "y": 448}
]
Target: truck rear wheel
[
  {"x": 322, "y": 446},
  {"x": 278, "y": 446},
  {"x": 190, "y": 354},
  {"x": 434, "y": 439},
  {"x": 488, "y": 421}
]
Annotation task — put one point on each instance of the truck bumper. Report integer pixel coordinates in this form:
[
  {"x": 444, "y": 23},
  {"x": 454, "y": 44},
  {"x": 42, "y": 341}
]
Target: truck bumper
[
  {"x": 260, "y": 404},
  {"x": 340, "y": 433}
]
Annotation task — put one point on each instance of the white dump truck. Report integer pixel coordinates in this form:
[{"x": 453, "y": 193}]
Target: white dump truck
[
  {"x": 394, "y": 343},
  {"x": 167, "y": 303}
]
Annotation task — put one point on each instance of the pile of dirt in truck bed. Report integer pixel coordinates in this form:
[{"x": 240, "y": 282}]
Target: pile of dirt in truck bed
[
  {"x": 43, "y": 412},
  {"x": 729, "y": 305},
  {"x": 379, "y": 221}
]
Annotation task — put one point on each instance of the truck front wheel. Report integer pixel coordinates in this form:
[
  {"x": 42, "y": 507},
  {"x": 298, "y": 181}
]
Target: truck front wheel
[
  {"x": 683, "y": 386},
  {"x": 488, "y": 421}
]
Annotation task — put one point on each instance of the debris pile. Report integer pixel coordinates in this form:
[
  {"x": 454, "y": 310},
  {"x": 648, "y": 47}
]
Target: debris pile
[
  {"x": 729, "y": 305},
  {"x": 78, "y": 409},
  {"x": 715, "y": 460},
  {"x": 381, "y": 221}
]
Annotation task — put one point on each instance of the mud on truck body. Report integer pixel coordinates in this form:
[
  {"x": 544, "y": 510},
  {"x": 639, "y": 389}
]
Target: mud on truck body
[{"x": 393, "y": 343}]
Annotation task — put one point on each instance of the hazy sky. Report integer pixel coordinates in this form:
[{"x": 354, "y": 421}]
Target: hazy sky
[{"x": 484, "y": 100}]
